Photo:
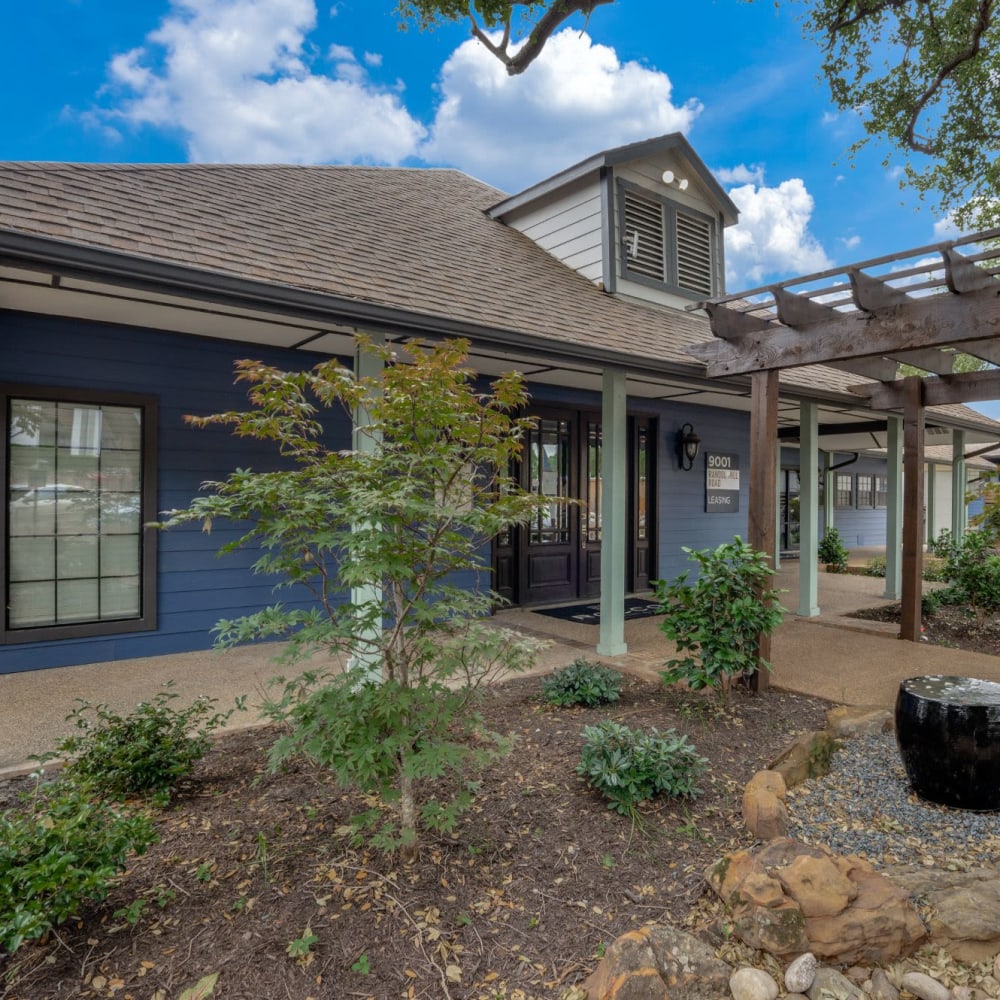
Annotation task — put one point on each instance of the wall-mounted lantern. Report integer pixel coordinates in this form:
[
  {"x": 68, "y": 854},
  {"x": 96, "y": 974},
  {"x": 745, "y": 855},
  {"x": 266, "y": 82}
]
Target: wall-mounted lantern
[{"x": 688, "y": 444}]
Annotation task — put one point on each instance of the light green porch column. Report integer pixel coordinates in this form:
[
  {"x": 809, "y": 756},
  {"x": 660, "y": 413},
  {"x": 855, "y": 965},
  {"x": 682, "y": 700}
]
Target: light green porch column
[
  {"x": 808, "y": 509},
  {"x": 930, "y": 495},
  {"x": 959, "y": 511},
  {"x": 363, "y": 439},
  {"x": 828, "y": 497},
  {"x": 614, "y": 519},
  {"x": 894, "y": 511}
]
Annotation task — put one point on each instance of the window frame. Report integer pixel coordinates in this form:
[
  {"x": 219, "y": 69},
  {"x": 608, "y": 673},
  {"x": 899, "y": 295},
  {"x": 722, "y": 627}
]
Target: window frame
[
  {"x": 880, "y": 489},
  {"x": 838, "y": 476},
  {"x": 147, "y": 618},
  {"x": 866, "y": 500},
  {"x": 669, "y": 210}
]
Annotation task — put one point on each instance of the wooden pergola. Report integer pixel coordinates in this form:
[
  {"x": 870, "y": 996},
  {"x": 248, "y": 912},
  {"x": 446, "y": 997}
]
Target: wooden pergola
[{"x": 919, "y": 307}]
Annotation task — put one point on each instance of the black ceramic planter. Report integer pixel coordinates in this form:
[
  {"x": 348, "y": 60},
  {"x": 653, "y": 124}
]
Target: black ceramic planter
[{"x": 948, "y": 731}]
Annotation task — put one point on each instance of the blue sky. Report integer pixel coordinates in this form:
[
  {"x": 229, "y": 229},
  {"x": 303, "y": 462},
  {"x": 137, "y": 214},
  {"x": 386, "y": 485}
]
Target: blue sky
[{"x": 297, "y": 81}]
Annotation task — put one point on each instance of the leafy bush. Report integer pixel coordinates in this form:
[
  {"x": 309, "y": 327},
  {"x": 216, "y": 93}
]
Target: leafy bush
[
  {"x": 59, "y": 850},
  {"x": 582, "y": 683},
  {"x": 832, "y": 551},
  {"x": 876, "y": 566},
  {"x": 972, "y": 572},
  {"x": 717, "y": 620},
  {"x": 144, "y": 752},
  {"x": 629, "y": 766}
]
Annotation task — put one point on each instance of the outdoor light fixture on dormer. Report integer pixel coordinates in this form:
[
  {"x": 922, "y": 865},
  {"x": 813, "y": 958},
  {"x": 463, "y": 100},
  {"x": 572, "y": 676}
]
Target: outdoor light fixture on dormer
[
  {"x": 669, "y": 177},
  {"x": 688, "y": 444}
]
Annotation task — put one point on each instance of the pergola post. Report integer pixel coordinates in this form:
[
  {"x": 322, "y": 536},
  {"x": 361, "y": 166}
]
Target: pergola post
[
  {"x": 808, "y": 510},
  {"x": 959, "y": 511},
  {"x": 913, "y": 506},
  {"x": 614, "y": 519},
  {"x": 894, "y": 510},
  {"x": 763, "y": 483}
]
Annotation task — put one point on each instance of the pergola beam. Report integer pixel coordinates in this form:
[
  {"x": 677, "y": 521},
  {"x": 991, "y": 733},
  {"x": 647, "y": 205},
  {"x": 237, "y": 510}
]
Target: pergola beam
[
  {"x": 931, "y": 321},
  {"x": 968, "y": 387}
]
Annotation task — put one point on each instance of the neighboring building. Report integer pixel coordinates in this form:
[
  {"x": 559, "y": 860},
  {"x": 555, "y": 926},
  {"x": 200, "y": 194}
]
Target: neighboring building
[{"x": 128, "y": 291}]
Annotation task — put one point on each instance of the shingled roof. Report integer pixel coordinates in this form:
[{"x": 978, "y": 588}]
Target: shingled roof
[{"x": 415, "y": 240}]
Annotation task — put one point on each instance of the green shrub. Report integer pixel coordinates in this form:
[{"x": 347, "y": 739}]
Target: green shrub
[
  {"x": 832, "y": 552},
  {"x": 629, "y": 766},
  {"x": 875, "y": 566},
  {"x": 717, "y": 620},
  {"x": 59, "y": 850},
  {"x": 582, "y": 683},
  {"x": 145, "y": 752},
  {"x": 972, "y": 572}
]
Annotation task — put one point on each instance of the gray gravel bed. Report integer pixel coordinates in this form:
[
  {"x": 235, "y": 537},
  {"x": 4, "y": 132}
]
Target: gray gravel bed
[{"x": 864, "y": 806}]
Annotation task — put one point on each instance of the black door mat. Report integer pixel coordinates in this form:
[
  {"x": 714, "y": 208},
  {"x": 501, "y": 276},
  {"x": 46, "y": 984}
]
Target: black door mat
[{"x": 590, "y": 613}]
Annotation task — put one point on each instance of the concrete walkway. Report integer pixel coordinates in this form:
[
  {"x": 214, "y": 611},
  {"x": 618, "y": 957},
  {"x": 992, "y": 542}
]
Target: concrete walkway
[{"x": 841, "y": 659}]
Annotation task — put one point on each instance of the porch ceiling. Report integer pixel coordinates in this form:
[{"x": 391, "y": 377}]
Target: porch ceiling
[{"x": 41, "y": 291}]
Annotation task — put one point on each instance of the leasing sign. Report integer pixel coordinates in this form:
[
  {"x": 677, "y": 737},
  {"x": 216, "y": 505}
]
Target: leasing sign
[{"x": 722, "y": 483}]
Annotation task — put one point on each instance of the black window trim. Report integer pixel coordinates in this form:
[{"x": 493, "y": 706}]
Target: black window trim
[
  {"x": 671, "y": 208},
  {"x": 147, "y": 620}
]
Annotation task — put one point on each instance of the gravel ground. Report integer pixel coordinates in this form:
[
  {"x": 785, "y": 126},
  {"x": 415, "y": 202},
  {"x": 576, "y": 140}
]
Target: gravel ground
[{"x": 864, "y": 806}]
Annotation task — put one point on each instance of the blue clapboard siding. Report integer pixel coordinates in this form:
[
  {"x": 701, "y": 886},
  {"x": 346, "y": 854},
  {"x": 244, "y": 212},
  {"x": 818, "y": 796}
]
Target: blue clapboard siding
[
  {"x": 188, "y": 375},
  {"x": 860, "y": 525}
]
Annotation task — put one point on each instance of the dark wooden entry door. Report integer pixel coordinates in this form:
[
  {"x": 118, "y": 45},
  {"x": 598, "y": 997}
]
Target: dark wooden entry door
[{"x": 558, "y": 556}]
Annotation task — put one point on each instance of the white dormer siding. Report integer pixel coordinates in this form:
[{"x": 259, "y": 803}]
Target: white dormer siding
[{"x": 568, "y": 224}]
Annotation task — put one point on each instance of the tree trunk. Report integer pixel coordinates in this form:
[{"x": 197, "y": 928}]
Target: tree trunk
[{"x": 407, "y": 818}]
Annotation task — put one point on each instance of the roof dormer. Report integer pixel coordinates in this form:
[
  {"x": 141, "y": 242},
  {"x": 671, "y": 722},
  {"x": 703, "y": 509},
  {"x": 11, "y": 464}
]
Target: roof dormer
[{"x": 642, "y": 221}]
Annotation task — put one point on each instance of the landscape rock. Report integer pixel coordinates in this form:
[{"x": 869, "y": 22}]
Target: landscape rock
[
  {"x": 964, "y": 908},
  {"x": 752, "y": 984},
  {"x": 848, "y": 721},
  {"x": 808, "y": 756},
  {"x": 882, "y": 988},
  {"x": 924, "y": 987},
  {"x": 836, "y": 907},
  {"x": 800, "y": 974},
  {"x": 764, "y": 809},
  {"x": 829, "y": 984},
  {"x": 658, "y": 963}
]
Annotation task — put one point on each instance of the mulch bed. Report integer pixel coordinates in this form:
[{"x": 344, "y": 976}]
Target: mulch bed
[
  {"x": 519, "y": 903},
  {"x": 950, "y": 625}
]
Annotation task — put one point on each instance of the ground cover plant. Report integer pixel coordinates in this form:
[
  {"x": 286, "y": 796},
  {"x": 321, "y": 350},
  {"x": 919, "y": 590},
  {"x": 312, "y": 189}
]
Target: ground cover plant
[
  {"x": 258, "y": 880},
  {"x": 145, "y": 752}
]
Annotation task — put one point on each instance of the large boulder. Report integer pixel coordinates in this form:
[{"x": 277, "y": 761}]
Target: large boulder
[{"x": 836, "y": 907}]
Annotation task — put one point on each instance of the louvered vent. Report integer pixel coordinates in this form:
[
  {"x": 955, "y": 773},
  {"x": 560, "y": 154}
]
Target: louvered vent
[
  {"x": 694, "y": 254},
  {"x": 642, "y": 239}
]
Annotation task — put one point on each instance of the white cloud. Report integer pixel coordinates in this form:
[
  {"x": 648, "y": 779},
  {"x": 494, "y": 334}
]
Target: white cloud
[
  {"x": 851, "y": 242},
  {"x": 578, "y": 98},
  {"x": 772, "y": 238},
  {"x": 741, "y": 174},
  {"x": 946, "y": 229},
  {"x": 373, "y": 59},
  {"x": 234, "y": 78}
]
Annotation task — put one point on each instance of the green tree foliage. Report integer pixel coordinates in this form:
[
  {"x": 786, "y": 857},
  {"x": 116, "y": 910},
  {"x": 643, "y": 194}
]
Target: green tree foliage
[
  {"x": 923, "y": 75},
  {"x": 717, "y": 620},
  {"x": 523, "y": 28},
  {"x": 401, "y": 522}
]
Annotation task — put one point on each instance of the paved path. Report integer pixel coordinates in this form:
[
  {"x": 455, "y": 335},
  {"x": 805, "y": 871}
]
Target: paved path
[{"x": 833, "y": 657}]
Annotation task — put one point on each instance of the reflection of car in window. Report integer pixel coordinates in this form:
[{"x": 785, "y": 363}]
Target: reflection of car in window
[{"x": 52, "y": 493}]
